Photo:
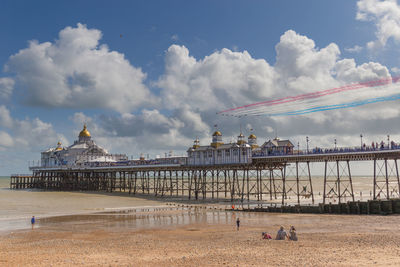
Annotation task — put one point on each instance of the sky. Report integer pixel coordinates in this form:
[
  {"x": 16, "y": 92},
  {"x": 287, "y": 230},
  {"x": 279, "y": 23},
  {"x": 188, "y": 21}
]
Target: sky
[{"x": 149, "y": 76}]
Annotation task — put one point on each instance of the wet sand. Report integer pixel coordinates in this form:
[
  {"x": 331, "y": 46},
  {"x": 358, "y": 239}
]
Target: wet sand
[{"x": 176, "y": 237}]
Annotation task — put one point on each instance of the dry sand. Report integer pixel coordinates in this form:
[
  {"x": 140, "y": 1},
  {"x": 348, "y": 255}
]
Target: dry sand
[{"x": 324, "y": 240}]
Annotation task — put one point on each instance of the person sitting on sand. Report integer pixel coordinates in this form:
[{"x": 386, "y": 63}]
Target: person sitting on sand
[
  {"x": 292, "y": 234},
  {"x": 266, "y": 236},
  {"x": 281, "y": 235}
]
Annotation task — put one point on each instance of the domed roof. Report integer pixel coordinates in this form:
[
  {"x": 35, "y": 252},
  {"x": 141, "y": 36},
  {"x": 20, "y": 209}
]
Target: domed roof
[
  {"x": 217, "y": 133},
  {"x": 59, "y": 147},
  {"x": 84, "y": 132},
  {"x": 252, "y": 136}
]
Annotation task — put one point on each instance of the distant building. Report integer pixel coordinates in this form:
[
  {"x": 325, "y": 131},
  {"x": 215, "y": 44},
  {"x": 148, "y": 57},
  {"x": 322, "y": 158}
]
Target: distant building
[
  {"x": 219, "y": 153},
  {"x": 83, "y": 150},
  {"x": 277, "y": 147}
]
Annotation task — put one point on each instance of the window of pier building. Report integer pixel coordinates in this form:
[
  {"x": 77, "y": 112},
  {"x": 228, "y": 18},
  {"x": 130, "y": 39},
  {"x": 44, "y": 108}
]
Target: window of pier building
[{"x": 227, "y": 153}]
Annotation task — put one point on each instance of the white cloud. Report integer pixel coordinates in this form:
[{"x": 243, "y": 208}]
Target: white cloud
[
  {"x": 27, "y": 134},
  {"x": 395, "y": 70},
  {"x": 76, "y": 72},
  {"x": 5, "y": 140},
  {"x": 354, "y": 49},
  {"x": 223, "y": 79},
  {"x": 348, "y": 71},
  {"x": 227, "y": 79},
  {"x": 297, "y": 56},
  {"x": 193, "y": 90},
  {"x": 5, "y": 118},
  {"x": 174, "y": 37},
  {"x": 149, "y": 132},
  {"x": 385, "y": 15},
  {"x": 6, "y": 88}
]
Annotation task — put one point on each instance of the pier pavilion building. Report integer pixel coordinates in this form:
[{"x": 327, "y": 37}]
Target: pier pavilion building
[
  {"x": 220, "y": 153},
  {"x": 81, "y": 151},
  {"x": 277, "y": 147}
]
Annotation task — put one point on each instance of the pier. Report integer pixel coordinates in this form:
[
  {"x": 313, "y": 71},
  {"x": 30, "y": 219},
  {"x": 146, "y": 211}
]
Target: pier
[
  {"x": 273, "y": 174},
  {"x": 275, "y": 178}
]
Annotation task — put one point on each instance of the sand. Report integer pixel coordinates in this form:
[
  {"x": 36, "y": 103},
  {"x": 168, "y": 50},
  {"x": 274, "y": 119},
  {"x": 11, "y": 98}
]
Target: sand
[{"x": 210, "y": 239}]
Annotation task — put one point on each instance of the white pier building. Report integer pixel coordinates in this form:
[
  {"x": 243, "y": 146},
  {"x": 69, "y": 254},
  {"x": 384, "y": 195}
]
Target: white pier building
[
  {"x": 82, "y": 151},
  {"x": 219, "y": 153}
]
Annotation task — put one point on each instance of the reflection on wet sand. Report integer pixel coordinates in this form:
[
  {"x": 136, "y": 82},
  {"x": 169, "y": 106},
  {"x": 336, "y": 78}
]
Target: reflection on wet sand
[
  {"x": 169, "y": 217},
  {"x": 139, "y": 219}
]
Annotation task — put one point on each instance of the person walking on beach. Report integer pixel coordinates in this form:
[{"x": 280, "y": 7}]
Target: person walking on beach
[
  {"x": 237, "y": 224},
  {"x": 33, "y": 221}
]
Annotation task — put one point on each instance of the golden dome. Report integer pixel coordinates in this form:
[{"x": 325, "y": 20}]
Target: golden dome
[
  {"x": 252, "y": 136},
  {"x": 196, "y": 143},
  {"x": 84, "y": 132},
  {"x": 217, "y": 133},
  {"x": 241, "y": 142},
  {"x": 58, "y": 148}
]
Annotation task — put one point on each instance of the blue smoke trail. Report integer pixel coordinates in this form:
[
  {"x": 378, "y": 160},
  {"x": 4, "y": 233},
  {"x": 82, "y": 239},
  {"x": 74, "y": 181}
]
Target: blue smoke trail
[{"x": 338, "y": 106}]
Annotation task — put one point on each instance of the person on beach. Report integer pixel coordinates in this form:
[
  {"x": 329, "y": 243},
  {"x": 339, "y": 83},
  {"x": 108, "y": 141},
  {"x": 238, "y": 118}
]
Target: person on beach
[
  {"x": 292, "y": 234},
  {"x": 33, "y": 221},
  {"x": 237, "y": 224},
  {"x": 266, "y": 236},
  {"x": 281, "y": 235}
]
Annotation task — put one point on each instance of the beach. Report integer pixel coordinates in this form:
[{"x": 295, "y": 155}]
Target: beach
[
  {"x": 208, "y": 238},
  {"x": 97, "y": 229}
]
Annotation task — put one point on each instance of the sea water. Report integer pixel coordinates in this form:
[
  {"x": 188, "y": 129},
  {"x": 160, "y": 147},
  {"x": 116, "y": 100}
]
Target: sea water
[{"x": 18, "y": 206}]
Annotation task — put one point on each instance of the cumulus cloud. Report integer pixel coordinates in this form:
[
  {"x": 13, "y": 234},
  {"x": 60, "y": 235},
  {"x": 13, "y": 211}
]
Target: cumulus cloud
[
  {"x": 385, "y": 15},
  {"x": 227, "y": 79},
  {"x": 6, "y": 88},
  {"x": 348, "y": 71},
  {"x": 5, "y": 118},
  {"x": 27, "y": 134},
  {"x": 147, "y": 132},
  {"x": 5, "y": 140},
  {"x": 76, "y": 71},
  {"x": 193, "y": 90},
  {"x": 35, "y": 134},
  {"x": 221, "y": 79}
]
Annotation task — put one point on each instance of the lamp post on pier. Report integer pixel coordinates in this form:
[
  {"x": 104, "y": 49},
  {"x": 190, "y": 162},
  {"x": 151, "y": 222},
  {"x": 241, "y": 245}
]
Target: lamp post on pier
[
  {"x": 388, "y": 141},
  {"x": 307, "y": 143},
  {"x": 335, "y": 144},
  {"x": 361, "y": 136},
  {"x": 298, "y": 148}
]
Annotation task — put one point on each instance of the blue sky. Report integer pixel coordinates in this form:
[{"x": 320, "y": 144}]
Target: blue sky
[{"x": 144, "y": 93}]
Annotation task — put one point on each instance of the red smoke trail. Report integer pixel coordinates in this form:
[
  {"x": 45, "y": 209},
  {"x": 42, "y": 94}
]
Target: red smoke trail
[{"x": 288, "y": 99}]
